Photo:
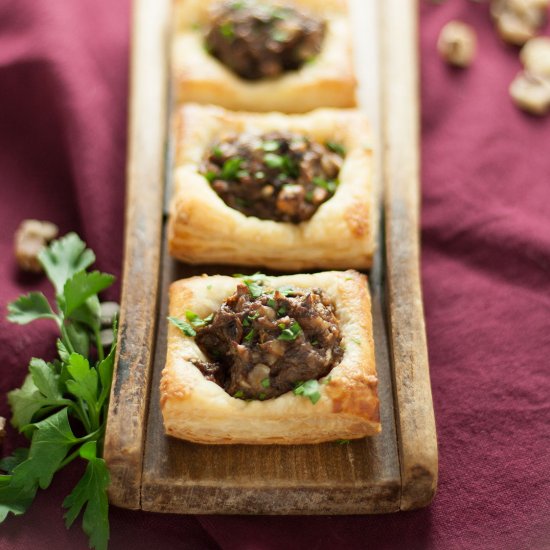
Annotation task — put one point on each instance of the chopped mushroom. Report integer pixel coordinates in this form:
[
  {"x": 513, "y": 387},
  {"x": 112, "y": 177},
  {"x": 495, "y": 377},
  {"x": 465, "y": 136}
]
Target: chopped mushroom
[
  {"x": 30, "y": 238},
  {"x": 519, "y": 20},
  {"x": 457, "y": 43}
]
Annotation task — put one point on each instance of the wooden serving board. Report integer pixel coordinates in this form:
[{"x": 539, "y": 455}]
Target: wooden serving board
[{"x": 396, "y": 470}]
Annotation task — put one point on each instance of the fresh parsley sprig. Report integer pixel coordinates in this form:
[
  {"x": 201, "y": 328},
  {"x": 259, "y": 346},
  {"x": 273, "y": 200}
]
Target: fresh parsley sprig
[{"x": 62, "y": 405}]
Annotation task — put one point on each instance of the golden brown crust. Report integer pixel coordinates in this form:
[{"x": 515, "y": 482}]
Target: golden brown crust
[
  {"x": 203, "y": 229},
  {"x": 199, "y": 410},
  {"x": 328, "y": 81}
]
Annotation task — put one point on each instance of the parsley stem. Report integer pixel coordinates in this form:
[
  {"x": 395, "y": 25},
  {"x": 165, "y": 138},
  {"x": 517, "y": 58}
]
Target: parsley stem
[
  {"x": 69, "y": 459},
  {"x": 66, "y": 339},
  {"x": 82, "y": 415},
  {"x": 98, "y": 344}
]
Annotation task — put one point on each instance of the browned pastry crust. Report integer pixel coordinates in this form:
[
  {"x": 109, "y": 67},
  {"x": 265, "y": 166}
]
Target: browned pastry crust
[
  {"x": 340, "y": 235},
  {"x": 327, "y": 81},
  {"x": 199, "y": 410}
]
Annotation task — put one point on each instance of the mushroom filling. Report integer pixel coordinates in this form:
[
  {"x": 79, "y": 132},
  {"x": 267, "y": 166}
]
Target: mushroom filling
[
  {"x": 260, "y": 40},
  {"x": 261, "y": 343},
  {"x": 275, "y": 176}
]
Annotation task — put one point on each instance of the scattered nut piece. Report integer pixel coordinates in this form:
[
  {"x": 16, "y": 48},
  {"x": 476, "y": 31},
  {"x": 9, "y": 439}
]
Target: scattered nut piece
[
  {"x": 108, "y": 312},
  {"x": 535, "y": 56},
  {"x": 531, "y": 93},
  {"x": 457, "y": 43},
  {"x": 519, "y": 20},
  {"x": 30, "y": 238},
  {"x": 107, "y": 337}
]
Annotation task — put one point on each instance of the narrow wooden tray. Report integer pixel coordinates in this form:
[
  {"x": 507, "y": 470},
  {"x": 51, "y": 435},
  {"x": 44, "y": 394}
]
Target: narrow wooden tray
[{"x": 396, "y": 470}]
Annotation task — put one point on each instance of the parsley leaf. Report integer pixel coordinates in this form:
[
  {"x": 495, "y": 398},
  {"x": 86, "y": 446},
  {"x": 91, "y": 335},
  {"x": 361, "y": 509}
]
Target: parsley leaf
[
  {"x": 336, "y": 147},
  {"x": 231, "y": 167},
  {"x": 328, "y": 185},
  {"x": 51, "y": 441},
  {"x": 9, "y": 463},
  {"x": 270, "y": 146},
  {"x": 90, "y": 492},
  {"x": 196, "y": 321},
  {"x": 82, "y": 286},
  {"x": 186, "y": 328},
  {"x": 265, "y": 383},
  {"x": 64, "y": 258},
  {"x": 30, "y": 307},
  {"x": 309, "y": 389},
  {"x": 250, "y": 336},
  {"x": 291, "y": 333}
]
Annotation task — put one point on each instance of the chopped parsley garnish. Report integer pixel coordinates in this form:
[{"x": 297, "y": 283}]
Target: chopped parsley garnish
[
  {"x": 185, "y": 327},
  {"x": 314, "y": 342},
  {"x": 254, "y": 288},
  {"x": 282, "y": 162},
  {"x": 196, "y": 321},
  {"x": 309, "y": 196},
  {"x": 231, "y": 167},
  {"x": 273, "y": 161},
  {"x": 309, "y": 389},
  {"x": 227, "y": 30},
  {"x": 265, "y": 383},
  {"x": 342, "y": 441},
  {"x": 279, "y": 35},
  {"x": 262, "y": 396},
  {"x": 239, "y": 394},
  {"x": 336, "y": 147},
  {"x": 329, "y": 185},
  {"x": 243, "y": 174},
  {"x": 253, "y": 282},
  {"x": 249, "y": 336},
  {"x": 210, "y": 176},
  {"x": 290, "y": 334},
  {"x": 286, "y": 290},
  {"x": 282, "y": 311},
  {"x": 272, "y": 303},
  {"x": 270, "y": 146},
  {"x": 217, "y": 152},
  {"x": 356, "y": 341},
  {"x": 259, "y": 175}
]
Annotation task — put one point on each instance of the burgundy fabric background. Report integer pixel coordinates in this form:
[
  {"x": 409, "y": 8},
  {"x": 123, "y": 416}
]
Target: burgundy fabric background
[{"x": 486, "y": 277}]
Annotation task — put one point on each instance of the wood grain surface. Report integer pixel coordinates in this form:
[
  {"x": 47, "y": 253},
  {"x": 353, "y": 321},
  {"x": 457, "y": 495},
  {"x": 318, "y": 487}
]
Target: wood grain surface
[
  {"x": 125, "y": 432},
  {"x": 412, "y": 390},
  {"x": 395, "y": 470}
]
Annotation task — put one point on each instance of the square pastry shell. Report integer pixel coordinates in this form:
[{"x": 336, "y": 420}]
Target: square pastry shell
[
  {"x": 340, "y": 235},
  {"x": 327, "y": 81},
  {"x": 199, "y": 410}
]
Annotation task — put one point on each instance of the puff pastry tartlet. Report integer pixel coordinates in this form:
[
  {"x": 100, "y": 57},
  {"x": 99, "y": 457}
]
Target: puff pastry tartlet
[
  {"x": 339, "y": 235},
  {"x": 326, "y": 79},
  {"x": 198, "y": 409}
]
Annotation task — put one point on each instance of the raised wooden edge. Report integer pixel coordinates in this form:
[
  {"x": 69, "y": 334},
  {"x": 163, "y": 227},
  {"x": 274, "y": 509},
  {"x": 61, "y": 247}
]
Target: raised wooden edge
[
  {"x": 358, "y": 499},
  {"x": 127, "y": 416},
  {"x": 416, "y": 432}
]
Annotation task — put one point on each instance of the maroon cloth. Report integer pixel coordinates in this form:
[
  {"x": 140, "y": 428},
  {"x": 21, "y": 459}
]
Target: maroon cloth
[{"x": 486, "y": 276}]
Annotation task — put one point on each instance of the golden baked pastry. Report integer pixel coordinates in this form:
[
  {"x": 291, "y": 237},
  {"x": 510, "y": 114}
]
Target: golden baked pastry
[
  {"x": 339, "y": 235},
  {"x": 342, "y": 404},
  {"x": 325, "y": 79}
]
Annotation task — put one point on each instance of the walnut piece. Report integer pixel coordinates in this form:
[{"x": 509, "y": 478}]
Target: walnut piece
[
  {"x": 535, "y": 56},
  {"x": 30, "y": 238},
  {"x": 531, "y": 93},
  {"x": 457, "y": 43},
  {"x": 519, "y": 20}
]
